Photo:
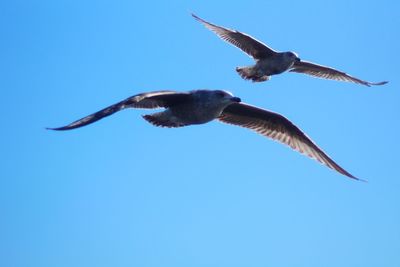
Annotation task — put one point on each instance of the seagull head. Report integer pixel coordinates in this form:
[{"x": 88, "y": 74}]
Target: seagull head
[
  {"x": 292, "y": 56},
  {"x": 226, "y": 96},
  {"x": 215, "y": 100}
]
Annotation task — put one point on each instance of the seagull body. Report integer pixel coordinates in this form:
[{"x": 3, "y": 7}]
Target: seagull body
[
  {"x": 202, "y": 106},
  {"x": 276, "y": 64},
  {"x": 270, "y": 62}
]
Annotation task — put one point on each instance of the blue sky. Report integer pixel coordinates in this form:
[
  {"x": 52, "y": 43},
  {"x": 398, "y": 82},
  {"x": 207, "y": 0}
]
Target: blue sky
[{"x": 124, "y": 193}]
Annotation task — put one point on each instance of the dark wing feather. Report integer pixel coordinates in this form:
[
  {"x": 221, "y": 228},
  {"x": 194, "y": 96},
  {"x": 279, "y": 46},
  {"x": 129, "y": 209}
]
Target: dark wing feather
[
  {"x": 246, "y": 43},
  {"x": 278, "y": 128},
  {"x": 328, "y": 73},
  {"x": 149, "y": 100}
]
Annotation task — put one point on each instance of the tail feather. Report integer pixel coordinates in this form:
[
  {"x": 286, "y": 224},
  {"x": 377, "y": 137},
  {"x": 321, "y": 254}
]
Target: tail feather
[
  {"x": 160, "y": 119},
  {"x": 250, "y": 73}
]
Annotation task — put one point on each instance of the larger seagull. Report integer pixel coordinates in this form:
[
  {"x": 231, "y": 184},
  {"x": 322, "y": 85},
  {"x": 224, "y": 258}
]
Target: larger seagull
[
  {"x": 270, "y": 62},
  {"x": 202, "y": 106}
]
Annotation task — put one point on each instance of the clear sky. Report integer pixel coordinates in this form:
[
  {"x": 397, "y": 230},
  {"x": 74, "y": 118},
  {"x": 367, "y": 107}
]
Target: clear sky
[{"x": 121, "y": 192}]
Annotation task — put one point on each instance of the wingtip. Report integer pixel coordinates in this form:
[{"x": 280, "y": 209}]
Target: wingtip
[
  {"x": 349, "y": 175},
  {"x": 382, "y": 83},
  {"x": 378, "y": 83},
  {"x": 201, "y": 20},
  {"x": 358, "y": 179},
  {"x": 196, "y": 17},
  {"x": 57, "y": 129}
]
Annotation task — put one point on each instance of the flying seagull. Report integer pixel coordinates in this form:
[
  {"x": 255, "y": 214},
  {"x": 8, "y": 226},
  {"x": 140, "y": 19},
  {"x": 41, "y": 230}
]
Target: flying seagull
[
  {"x": 202, "y": 106},
  {"x": 270, "y": 62}
]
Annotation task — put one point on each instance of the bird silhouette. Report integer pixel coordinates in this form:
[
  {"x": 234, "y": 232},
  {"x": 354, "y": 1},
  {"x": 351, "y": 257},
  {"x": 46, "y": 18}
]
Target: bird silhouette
[
  {"x": 202, "y": 106},
  {"x": 270, "y": 62}
]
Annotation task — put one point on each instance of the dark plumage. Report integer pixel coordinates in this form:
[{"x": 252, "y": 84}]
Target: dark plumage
[
  {"x": 270, "y": 62},
  {"x": 202, "y": 106}
]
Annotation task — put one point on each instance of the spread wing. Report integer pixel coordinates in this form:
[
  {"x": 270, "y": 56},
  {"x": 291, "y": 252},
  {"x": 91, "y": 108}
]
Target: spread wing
[
  {"x": 151, "y": 100},
  {"x": 246, "y": 43},
  {"x": 328, "y": 73},
  {"x": 278, "y": 128}
]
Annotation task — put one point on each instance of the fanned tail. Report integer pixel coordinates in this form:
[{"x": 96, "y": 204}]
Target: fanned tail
[
  {"x": 161, "y": 119},
  {"x": 250, "y": 73}
]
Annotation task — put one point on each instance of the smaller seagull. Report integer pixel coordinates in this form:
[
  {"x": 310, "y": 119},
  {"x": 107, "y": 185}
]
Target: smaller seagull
[
  {"x": 202, "y": 106},
  {"x": 270, "y": 62}
]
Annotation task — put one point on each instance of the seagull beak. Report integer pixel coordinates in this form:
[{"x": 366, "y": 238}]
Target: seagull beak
[{"x": 236, "y": 99}]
